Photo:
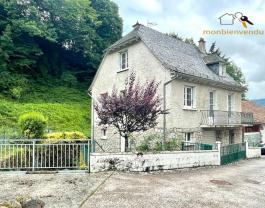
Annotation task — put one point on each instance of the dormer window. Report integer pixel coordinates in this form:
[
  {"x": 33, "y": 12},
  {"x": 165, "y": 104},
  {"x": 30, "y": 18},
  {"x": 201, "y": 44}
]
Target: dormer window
[
  {"x": 216, "y": 64},
  {"x": 124, "y": 60},
  {"x": 218, "y": 68}
]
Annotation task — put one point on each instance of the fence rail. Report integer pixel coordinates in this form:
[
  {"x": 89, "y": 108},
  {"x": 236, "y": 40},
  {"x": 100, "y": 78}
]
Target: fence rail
[{"x": 44, "y": 154}]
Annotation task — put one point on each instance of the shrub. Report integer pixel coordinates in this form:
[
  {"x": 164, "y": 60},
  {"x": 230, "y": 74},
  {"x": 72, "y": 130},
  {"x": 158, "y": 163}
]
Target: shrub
[
  {"x": 150, "y": 143},
  {"x": 32, "y": 125},
  {"x": 71, "y": 136},
  {"x": 13, "y": 85},
  {"x": 153, "y": 142},
  {"x": 69, "y": 79}
]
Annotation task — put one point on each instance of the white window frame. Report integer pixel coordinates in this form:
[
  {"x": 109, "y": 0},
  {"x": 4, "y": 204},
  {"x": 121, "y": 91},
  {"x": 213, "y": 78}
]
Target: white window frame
[
  {"x": 193, "y": 97},
  {"x": 188, "y": 136},
  {"x": 230, "y": 104},
  {"x": 214, "y": 101},
  {"x": 124, "y": 66}
]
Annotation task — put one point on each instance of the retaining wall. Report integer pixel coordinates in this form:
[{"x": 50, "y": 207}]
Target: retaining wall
[{"x": 153, "y": 161}]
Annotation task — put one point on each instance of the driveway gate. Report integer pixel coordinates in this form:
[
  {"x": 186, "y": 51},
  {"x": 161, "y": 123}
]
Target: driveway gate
[
  {"x": 32, "y": 155},
  {"x": 233, "y": 152}
]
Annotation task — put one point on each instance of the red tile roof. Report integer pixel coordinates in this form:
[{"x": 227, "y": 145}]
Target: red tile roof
[{"x": 257, "y": 110}]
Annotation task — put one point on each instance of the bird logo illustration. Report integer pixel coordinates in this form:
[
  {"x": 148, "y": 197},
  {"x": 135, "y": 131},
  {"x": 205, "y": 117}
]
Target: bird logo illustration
[{"x": 243, "y": 19}]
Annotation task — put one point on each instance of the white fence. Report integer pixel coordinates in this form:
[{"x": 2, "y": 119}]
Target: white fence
[{"x": 43, "y": 154}]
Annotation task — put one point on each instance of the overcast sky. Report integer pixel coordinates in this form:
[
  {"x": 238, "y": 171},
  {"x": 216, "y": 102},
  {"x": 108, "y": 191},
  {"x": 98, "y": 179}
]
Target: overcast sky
[{"x": 190, "y": 17}]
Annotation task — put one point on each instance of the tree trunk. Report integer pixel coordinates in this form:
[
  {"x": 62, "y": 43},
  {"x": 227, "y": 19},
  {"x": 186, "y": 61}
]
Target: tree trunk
[{"x": 126, "y": 139}]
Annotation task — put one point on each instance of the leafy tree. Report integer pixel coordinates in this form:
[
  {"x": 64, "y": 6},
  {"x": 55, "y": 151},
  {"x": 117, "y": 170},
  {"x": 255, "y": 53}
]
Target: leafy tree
[
  {"x": 39, "y": 39},
  {"x": 133, "y": 109}
]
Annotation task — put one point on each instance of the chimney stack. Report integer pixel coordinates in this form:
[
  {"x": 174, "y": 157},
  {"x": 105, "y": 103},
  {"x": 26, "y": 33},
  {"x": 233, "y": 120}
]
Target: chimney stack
[{"x": 202, "y": 45}]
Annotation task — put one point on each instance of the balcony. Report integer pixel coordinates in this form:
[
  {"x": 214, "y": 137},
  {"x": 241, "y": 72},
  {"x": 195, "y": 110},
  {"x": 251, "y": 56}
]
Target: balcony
[{"x": 215, "y": 118}]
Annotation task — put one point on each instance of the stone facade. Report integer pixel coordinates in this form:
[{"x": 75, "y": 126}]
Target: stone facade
[{"x": 179, "y": 120}]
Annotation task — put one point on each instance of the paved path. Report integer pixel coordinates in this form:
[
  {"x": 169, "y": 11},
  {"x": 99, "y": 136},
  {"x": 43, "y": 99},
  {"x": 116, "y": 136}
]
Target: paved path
[{"x": 244, "y": 186}]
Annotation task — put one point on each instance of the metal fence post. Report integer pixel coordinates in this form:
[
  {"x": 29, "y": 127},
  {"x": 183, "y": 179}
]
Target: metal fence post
[
  {"x": 88, "y": 155},
  {"x": 33, "y": 156}
]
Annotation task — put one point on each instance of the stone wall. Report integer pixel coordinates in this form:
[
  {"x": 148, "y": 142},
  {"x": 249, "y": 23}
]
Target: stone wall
[{"x": 150, "y": 162}]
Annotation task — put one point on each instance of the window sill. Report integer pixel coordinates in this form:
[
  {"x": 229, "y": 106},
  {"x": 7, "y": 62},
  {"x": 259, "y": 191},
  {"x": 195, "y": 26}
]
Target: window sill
[
  {"x": 122, "y": 70},
  {"x": 189, "y": 108},
  {"x": 103, "y": 138}
]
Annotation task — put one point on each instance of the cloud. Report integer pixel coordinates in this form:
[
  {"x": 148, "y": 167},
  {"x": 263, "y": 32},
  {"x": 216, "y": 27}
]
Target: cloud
[
  {"x": 141, "y": 6},
  {"x": 189, "y": 18}
]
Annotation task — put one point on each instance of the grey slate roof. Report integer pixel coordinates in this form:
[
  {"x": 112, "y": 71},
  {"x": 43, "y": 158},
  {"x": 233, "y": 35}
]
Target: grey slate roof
[
  {"x": 175, "y": 54},
  {"x": 212, "y": 58}
]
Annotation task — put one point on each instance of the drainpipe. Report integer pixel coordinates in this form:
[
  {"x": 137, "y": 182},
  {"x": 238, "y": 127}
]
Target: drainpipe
[
  {"x": 164, "y": 112},
  {"x": 93, "y": 120}
]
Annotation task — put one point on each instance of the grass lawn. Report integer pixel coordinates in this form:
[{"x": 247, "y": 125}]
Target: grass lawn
[{"x": 67, "y": 109}]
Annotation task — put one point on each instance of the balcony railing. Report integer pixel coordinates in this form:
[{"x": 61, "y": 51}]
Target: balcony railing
[{"x": 225, "y": 118}]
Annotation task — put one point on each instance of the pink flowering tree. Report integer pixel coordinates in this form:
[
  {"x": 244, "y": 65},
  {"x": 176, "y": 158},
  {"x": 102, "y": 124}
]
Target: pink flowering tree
[{"x": 133, "y": 109}]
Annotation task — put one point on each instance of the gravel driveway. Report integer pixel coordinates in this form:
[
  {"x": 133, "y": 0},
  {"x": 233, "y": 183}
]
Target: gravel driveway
[
  {"x": 66, "y": 190},
  {"x": 233, "y": 186}
]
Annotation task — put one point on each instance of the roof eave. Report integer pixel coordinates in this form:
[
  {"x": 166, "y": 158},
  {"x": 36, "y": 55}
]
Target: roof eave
[{"x": 200, "y": 80}]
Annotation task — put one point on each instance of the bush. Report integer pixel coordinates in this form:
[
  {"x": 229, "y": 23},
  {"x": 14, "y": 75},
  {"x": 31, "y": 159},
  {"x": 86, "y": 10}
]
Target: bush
[
  {"x": 32, "y": 125},
  {"x": 153, "y": 143},
  {"x": 71, "y": 136},
  {"x": 13, "y": 85},
  {"x": 69, "y": 79},
  {"x": 150, "y": 143}
]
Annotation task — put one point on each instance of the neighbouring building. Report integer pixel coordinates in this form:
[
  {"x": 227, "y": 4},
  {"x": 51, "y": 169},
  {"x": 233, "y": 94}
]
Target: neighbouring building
[
  {"x": 203, "y": 101},
  {"x": 256, "y": 132}
]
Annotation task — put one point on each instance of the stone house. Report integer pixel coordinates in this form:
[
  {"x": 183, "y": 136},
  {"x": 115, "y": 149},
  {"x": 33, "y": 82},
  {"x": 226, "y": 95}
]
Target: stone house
[
  {"x": 256, "y": 132},
  {"x": 203, "y": 101}
]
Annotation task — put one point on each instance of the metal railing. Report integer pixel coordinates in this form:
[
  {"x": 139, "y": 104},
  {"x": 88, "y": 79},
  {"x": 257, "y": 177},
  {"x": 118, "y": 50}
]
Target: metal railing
[
  {"x": 44, "y": 154},
  {"x": 192, "y": 146},
  {"x": 216, "y": 117},
  {"x": 233, "y": 152}
]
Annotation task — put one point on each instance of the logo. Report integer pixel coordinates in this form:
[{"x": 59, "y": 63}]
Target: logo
[{"x": 229, "y": 19}]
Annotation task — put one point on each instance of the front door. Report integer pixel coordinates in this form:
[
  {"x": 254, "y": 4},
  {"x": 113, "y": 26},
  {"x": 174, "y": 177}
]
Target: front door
[{"x": 231, "y": 137}]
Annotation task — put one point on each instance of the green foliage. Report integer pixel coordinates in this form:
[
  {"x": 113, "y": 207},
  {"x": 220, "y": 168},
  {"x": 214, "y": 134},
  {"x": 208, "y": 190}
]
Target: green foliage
[
  {"x": 67, "y": 109},
  {"x": 153, "y": 143},
  {"x": 70, "y": 136},
  {"x": 68, "y": 79},
  {"x": 32, "y": 125},
  {"x": 44, "y": 39}
]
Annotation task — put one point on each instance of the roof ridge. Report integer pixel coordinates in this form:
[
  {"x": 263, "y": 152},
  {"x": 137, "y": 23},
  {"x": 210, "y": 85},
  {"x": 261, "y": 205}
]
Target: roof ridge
[{"x": 168, "y": 35}]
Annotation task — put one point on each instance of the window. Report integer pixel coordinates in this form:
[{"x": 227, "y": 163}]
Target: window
[
  {"x": 104, "y": 133},
  {"x": 211, "y": 103},
  {"x": 189, "y": 100},
  {"x": 222, "y": 69},
  {"x": 124, "y": 60},
  {"x": 229, "y": 105},
  {"x": 188, "y": 136}
]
